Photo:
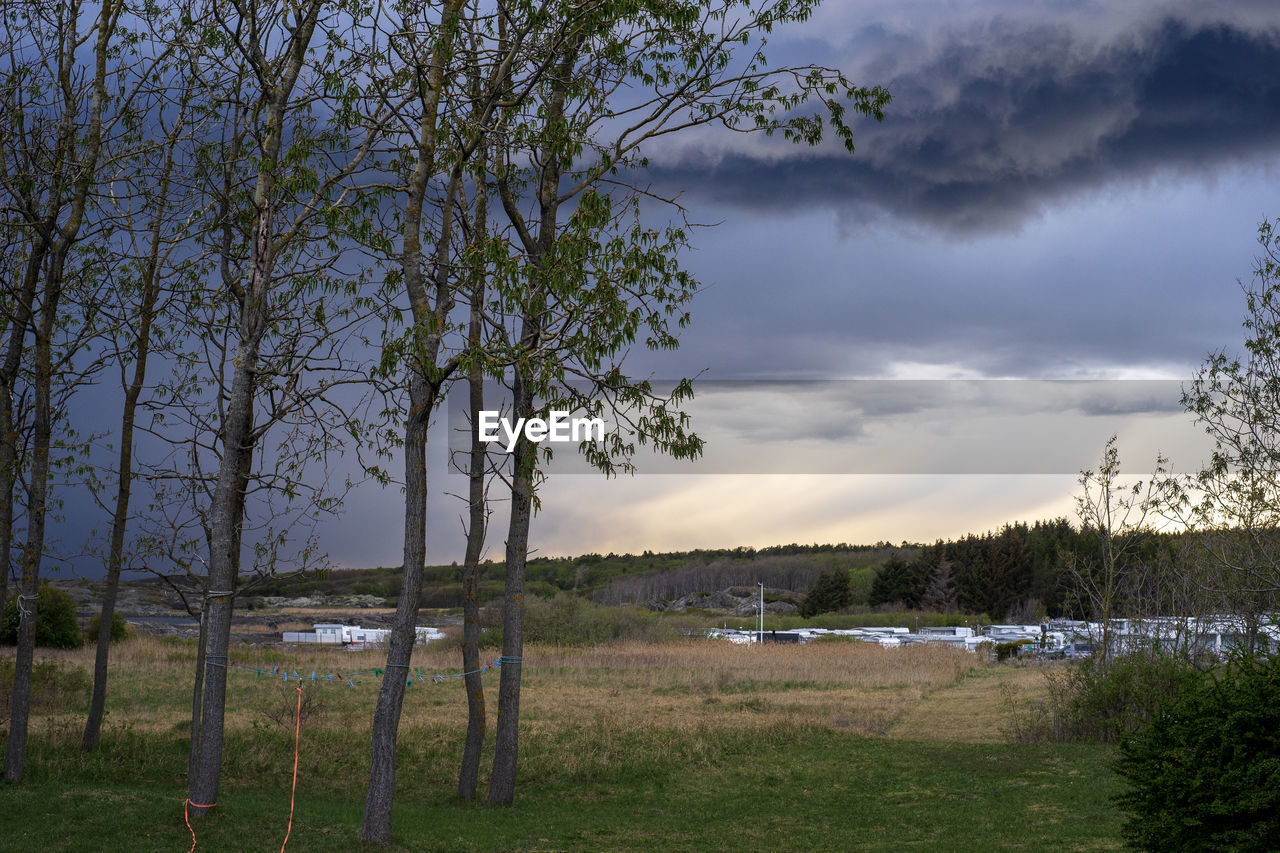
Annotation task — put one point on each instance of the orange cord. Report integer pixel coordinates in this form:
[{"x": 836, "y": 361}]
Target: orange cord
[
  {"x": 297, "y": 732},
  {"x": 185, "y": 803}
]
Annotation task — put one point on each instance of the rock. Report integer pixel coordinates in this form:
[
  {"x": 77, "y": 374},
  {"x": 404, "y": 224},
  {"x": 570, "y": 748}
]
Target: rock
[
  {"x": 359, "y": 601},
  {"x": 738, "y": 600},
  {"x": 304, "y": 601},
  {"x": 722, "y": 600}
]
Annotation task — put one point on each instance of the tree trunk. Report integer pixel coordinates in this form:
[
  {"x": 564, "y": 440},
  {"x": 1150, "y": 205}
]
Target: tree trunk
[
  {"x": 502, "y": 784},
  {"x": 19, "y": 324},
  {"x": 386, "y": 716},
  {"x": 226, "y": 512},
  {"x": 37, "y": 497},
  {"x": 115, "y": 557},
  {"x": 424, "y": 388},
  {"x": 469, "y": 775},
  {"x": 75, "y": 152},
  {"x": 226, "y": 521},
  {"x": 124, "y": 466},
  {"x": 197, "y": 691}
]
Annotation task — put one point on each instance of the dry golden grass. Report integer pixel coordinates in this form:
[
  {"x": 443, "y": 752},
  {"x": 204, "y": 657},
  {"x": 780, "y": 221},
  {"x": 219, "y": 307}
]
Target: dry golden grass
[
  {"x": 680, "y": 687},
  {"x": 698, "y": 683}
]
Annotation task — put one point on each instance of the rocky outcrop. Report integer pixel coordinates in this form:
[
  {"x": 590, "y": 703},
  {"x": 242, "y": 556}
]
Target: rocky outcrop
[
  {"x": 324, "y": 601},
  {"x": 737, "y": 600}
]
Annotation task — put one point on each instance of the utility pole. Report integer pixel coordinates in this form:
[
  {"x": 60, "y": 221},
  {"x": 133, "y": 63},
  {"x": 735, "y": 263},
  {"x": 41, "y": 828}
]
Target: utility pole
[{"x": 761, "y": 612}]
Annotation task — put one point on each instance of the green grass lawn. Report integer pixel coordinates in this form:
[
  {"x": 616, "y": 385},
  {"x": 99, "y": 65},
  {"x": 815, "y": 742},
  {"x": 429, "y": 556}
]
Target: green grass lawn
[
  {"x": 695, "y": 746},
  {"x": 805, "y": 790}
]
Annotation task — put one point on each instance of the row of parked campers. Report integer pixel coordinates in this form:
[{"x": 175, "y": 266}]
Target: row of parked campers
[{"x": 354, "y": 635}]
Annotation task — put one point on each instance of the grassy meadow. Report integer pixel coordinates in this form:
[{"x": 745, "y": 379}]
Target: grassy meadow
[{"x": 682, "y": 745}]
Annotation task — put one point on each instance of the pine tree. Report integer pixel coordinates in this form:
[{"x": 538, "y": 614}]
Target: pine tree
[
  {"x": 940, "y": 593},
  {"x": 831, "y": 592}
]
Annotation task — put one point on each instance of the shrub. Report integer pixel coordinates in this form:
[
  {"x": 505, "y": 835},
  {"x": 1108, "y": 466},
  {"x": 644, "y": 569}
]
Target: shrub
[
  {"x": 54, "y": 688},
  {"x": 119, "y": 630},
  {"x": 1005, "y": 651},
  {"x": 370, "y": 588},
  {"x": 1027, "y": 720},
  {"x": 284, "y": 709},
  {"x": 1205, "y": 774},
  {"x": 1106, "y": 702},
  {"x": 56, "y": 625},
  {"x": 567, "y": 620}
]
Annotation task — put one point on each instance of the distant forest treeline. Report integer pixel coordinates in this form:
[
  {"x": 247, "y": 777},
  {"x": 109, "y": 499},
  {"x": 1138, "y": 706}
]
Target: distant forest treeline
[
  {"x": 614, "y": 578},
  {"x": 1017, "y": 573},
  {"x": 1020, "y": 573}
]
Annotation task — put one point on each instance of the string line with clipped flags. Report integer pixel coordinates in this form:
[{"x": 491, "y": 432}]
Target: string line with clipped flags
[{"x": 352, "y": 678}]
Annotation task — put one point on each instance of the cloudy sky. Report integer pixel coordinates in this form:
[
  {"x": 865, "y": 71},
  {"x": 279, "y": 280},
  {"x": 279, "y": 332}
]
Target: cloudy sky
[
  {"x": 926, "y": 338},
  {"x": 1059, "y": 191}
]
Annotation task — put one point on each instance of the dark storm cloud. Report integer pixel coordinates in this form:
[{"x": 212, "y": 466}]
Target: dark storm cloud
[{"x": 1004, "y": 117}]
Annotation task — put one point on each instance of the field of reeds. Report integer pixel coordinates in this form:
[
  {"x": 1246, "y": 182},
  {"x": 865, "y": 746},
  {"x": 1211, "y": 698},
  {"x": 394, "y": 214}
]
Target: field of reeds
[{"x": 686, "y": 744}]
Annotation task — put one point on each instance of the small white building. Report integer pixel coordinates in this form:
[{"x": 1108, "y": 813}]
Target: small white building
[
  {"x": 354, "y": 635},
  {"x": 426, "y": 634},
  {"x": 328, "y": 632}
]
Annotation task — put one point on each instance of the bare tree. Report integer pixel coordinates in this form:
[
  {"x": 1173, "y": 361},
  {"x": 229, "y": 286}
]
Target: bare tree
[{"x": 1115, "y": 515}]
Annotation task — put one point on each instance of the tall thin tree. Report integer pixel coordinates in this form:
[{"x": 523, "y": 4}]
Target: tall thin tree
[
  {"x": 278, "y": 82},
  {"x": 52, "y": 197}
]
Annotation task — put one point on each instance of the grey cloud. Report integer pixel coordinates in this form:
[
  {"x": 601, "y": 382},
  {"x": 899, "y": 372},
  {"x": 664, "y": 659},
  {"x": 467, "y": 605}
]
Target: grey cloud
[{"x": 1005, "y": 117}]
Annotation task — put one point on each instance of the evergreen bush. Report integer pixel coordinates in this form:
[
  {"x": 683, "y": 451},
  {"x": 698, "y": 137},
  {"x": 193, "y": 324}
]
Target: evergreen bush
[
  {"x": 1205, "y": 773},
  {"x": 831, "y": 592},
  {"x": 119, "y": 630},
  {"x": 56, "y": 625}
]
